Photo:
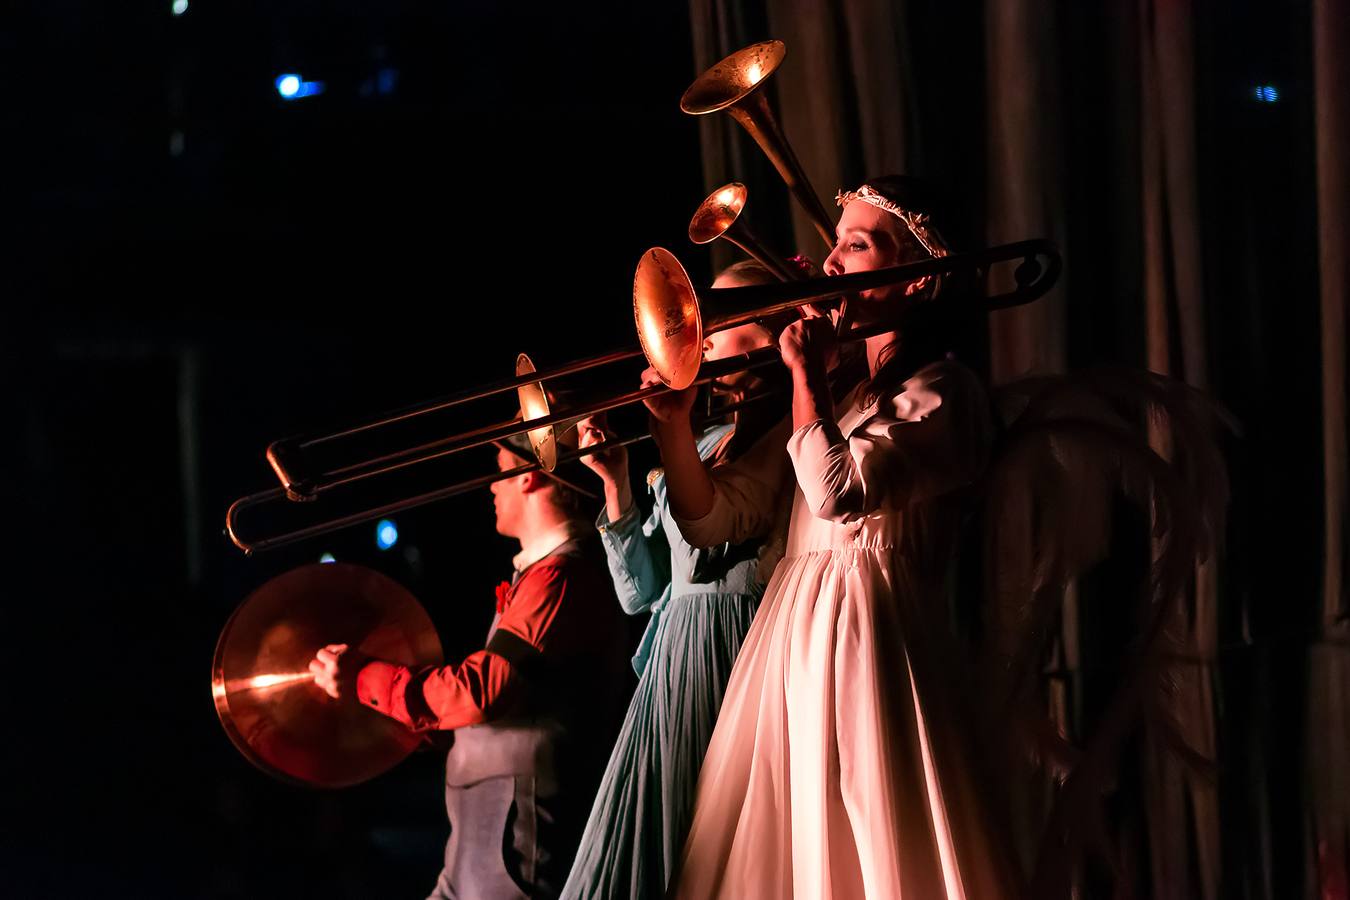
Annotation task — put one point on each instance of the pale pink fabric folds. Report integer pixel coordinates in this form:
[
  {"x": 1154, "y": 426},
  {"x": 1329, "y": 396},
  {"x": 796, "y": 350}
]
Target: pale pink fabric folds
[{"x": 838, "y": 768}]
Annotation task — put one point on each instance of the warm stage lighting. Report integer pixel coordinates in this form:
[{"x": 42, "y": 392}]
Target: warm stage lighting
[{"x": 259, "y": 683}]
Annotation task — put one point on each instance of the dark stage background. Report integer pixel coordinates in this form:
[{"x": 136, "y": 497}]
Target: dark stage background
[
  {"x": 296, "y": 266},
  {"x": 194, "y": 266}
]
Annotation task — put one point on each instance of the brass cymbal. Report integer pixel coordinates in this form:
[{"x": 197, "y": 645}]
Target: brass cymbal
[{"x": 266, "y": 697}]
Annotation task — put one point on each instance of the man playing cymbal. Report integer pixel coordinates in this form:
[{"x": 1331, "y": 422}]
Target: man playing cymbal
[{"x": 534, "y": 712}]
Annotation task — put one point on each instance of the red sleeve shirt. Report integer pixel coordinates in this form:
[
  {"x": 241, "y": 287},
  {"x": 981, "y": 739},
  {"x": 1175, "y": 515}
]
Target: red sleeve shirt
[{"x": 483, "y": 685}]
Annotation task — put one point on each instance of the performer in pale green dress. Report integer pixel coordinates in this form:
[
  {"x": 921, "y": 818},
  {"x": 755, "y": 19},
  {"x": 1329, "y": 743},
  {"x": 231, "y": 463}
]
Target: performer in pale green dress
[{"x": 701, "y": 603}]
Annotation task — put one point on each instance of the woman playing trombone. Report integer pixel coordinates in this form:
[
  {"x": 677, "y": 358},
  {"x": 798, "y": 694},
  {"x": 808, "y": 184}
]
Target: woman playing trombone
[
  {"x": 701, "y": 602},
  {"x": 838, "y": 767}
]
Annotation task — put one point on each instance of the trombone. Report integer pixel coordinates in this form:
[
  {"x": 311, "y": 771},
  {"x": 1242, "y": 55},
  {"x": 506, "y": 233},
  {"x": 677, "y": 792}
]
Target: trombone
[
  {"x": 667, "y": 307},
  {"x": 668, "y": 312},
  {"x": 539, "y": 424}
]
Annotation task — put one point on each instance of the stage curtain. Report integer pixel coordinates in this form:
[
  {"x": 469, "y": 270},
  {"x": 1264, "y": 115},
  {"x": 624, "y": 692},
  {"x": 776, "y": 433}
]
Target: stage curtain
[
  {"x": 1328, "y": 738},
  {"x": 1095, "y": 125}
]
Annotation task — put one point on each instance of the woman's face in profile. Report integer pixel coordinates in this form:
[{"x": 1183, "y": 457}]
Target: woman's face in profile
[
  {"x": 871, "y": 238},
  {"x": 734, "y": 341}
]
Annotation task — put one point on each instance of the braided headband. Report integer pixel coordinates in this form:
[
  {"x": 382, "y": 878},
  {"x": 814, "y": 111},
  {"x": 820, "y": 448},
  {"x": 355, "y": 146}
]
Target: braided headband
[{"x": 917, "y": 223}]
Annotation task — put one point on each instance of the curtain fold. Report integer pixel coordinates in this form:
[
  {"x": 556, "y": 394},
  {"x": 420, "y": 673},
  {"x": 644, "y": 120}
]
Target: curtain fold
[
  {"x": 1331, "y": 61},
  {"x": 1181, "y": 806},
  {"x": 1026, "y": 168},
  {"x": 1328, "y": 738}
]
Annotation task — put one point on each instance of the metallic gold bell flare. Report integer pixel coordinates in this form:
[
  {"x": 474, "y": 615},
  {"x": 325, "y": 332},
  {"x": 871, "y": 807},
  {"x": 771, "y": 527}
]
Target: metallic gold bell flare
[
  {"x": 666, "y": 313},
  {"x": 719, "y": 216},
  {"x": 717, "y": 213},
  {"x": 732, "y": 79},
  {"x": 534, "y": 405},
  {"x": 733, "y": 85}
]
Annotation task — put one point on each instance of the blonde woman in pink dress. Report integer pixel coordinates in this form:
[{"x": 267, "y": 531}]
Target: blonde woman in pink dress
[{"x": 839, "y": 766}]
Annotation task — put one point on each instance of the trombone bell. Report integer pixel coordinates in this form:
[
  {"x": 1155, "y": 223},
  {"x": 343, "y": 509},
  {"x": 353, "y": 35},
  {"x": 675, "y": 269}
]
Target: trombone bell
[
  {"x": 717, "y": 213},
  {"x": 719, "y": 216},
  {"x": 735, "y": 77},
  {"x": 534, "y": 405},
  {"x": 669, "y": 324}
]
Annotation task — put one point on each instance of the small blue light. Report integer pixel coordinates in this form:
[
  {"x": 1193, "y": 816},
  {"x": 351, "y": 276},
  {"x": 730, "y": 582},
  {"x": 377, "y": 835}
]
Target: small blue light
[
  {"x": 293, "y": 87},
  {"x": 1265, "y": 93},
  {"x": 179, "y": 7},
  {"x": 327, "y": 558},
  {"x": 385, "y": 80},
  {"x": 386, "y": 534}
]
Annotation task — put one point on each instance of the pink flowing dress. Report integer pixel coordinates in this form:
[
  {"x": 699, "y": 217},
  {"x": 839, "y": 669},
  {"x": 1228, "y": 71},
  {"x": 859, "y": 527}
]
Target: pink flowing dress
[{"x": 839, "y": 767}]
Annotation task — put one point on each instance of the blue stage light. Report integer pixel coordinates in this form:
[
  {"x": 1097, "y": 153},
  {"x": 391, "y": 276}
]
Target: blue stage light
[
  {"x": 1266, "y": 93},
  {"x": 327, "y": 558},
  {"x": 179, "y": 7},
  {"x": 292, "y": 87},
  {"x": 288, "y": 86},
  {"x": 386, "y": 534}
]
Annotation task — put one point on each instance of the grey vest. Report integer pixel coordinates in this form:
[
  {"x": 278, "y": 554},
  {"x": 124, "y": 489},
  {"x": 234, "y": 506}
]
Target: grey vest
[{"x": 517, "y": 789}]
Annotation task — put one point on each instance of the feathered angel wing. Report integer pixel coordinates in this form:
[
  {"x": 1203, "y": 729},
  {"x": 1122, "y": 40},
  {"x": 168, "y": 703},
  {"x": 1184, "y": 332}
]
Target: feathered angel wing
[{"x": 1076, "y": 447}]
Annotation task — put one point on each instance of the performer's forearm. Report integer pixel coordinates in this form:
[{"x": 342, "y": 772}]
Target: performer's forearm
[
  {"x": 689, "y": 487},
  {"x": 810, "y": 395},
  {"x": 618, "y": 498},
  {"x": 442, "y": 698}
]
